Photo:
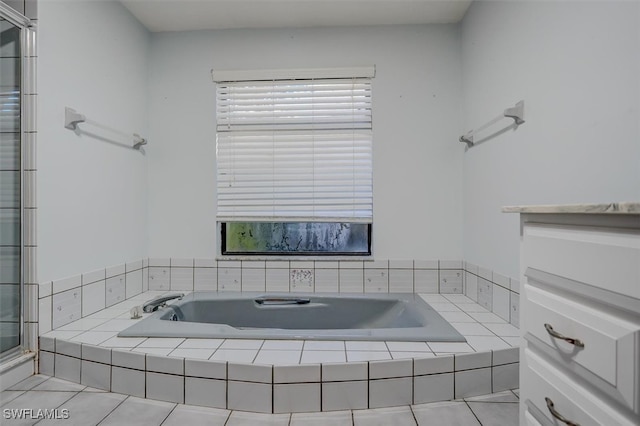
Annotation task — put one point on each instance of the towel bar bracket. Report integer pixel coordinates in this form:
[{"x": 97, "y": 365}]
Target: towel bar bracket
[
  {"x": 72, "y": 118},
  {"x": 516, "y": 113},
  {"x": 468, "y": 139}
]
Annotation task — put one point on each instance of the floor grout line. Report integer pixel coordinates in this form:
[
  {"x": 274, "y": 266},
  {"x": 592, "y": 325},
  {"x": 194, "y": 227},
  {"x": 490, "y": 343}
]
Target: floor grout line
[
  {"x": 114, "y": 409},
  {"x": 473, "y": 412}
]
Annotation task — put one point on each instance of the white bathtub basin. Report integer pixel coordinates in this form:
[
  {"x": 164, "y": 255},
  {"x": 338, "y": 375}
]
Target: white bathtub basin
[{"x": 311, "y": 316}]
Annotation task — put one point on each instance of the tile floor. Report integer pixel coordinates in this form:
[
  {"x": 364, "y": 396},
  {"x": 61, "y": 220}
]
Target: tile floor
[
  {"x": 483, "y": 330},
  {"x": 87, "y": 407}
]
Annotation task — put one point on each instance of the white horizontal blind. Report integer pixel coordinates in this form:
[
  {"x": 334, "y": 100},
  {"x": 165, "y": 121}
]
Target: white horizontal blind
[{"x": 295, "y": 150}]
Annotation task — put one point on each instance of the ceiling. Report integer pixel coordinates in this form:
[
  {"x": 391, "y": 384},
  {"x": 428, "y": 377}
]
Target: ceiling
[{"x": 189, "y": 15}]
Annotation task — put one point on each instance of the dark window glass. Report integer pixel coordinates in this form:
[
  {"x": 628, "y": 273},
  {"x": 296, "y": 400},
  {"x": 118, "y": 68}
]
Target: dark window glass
[{"x": 296, "y": 238}]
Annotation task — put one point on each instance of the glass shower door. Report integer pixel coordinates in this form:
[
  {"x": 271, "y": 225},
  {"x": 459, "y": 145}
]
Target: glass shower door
[{"x": 10, "y": 188}]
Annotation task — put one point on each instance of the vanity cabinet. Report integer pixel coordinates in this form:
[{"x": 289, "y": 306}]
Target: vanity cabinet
[{"x": 580, "y": 315}]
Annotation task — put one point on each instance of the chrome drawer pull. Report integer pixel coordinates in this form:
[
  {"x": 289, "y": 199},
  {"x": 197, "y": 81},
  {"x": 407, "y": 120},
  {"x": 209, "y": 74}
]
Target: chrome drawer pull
[
  {"x": 557, "y": 335},
  {"x": 557, "y": 415}
]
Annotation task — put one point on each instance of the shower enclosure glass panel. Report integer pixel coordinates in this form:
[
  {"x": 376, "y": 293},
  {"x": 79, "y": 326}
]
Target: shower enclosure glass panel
[{"x": 10, "y": 204}]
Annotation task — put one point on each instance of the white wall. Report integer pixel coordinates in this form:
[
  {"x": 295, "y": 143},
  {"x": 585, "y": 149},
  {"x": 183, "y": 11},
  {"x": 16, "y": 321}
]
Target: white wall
[
  {"x": 577, "y": 66},
  {"x": 92, "y": 195},
  {"x": 417, "y": 164}
]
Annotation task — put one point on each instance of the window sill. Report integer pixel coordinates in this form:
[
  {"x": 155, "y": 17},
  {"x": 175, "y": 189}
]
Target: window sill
[{"x": 294, "y": 258}]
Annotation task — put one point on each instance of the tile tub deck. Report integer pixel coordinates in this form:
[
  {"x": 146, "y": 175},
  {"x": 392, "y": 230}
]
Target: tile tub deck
[{"x": 283, "y": 376}]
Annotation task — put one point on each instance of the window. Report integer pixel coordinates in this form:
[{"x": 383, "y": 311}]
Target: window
[{"x": 294, "y": 159}]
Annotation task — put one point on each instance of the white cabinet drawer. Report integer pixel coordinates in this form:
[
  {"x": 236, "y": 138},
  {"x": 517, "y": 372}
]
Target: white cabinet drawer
[
  {"x": 610, "y": 350},
  {"x": 541, "y": 380},
  {"x": 602, "y": 257}
]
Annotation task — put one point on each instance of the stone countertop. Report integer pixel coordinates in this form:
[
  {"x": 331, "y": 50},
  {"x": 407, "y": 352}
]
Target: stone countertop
[{"x": 610, "y": 208}]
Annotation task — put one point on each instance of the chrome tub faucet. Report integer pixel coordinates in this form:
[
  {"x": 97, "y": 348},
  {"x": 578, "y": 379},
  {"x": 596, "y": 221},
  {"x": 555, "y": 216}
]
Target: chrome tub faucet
[{"x": 160, "y": 302}]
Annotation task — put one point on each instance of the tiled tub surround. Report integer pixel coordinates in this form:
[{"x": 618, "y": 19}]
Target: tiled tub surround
[
  {"x": 493, "y": 291},
  {"x": 80, "y": 316},
  {"x": 62, "y": 301},
  {"x": 282, "y": 376}
]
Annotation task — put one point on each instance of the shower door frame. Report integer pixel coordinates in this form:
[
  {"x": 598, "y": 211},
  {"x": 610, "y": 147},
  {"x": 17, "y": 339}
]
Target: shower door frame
[{"x": 27, "y": 341}]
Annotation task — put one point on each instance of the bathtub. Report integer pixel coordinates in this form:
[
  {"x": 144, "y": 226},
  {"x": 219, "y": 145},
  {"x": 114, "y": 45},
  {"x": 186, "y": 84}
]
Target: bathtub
[{"x": 309, "y": 316}]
